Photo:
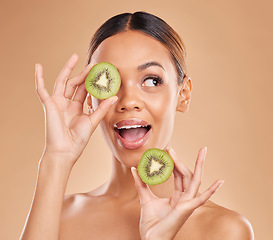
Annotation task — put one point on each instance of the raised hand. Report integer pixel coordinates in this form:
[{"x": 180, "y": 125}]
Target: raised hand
[
  {"x": 68, "y": 128},
  {"x": 162, "y": 218}
]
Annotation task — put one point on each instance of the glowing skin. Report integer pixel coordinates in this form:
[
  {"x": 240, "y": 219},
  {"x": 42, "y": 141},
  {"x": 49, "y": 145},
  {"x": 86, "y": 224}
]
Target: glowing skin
[
  {"x": 123, "y": 207},
  {"x": 139, "y": 99}
]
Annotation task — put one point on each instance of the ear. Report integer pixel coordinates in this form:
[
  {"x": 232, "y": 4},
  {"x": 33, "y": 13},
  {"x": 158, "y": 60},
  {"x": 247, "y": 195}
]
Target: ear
[
  {"x": 184, "y": 97},
  {"x": 89, "y": 100},
  {"x": 89, "y": 104},
  {"x": 92, "y": 102}
]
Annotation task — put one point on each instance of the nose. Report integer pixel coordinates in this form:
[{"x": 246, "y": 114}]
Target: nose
[{"x": 129, "y": 98}]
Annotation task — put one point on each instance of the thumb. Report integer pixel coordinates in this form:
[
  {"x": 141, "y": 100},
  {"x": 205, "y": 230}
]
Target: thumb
[
  {"x": 144, "y": 192},
  {"x": 101, "y": 111}
]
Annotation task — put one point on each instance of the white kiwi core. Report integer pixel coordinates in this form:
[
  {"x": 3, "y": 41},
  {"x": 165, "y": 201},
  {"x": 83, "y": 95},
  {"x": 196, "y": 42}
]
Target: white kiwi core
[
  {"x": 103, "y": 81},
  {"x": 155, "y": 166}
]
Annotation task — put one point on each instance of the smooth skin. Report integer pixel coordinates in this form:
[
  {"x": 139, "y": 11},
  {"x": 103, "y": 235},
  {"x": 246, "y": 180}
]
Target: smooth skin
[{"x": 124, "y": 207}]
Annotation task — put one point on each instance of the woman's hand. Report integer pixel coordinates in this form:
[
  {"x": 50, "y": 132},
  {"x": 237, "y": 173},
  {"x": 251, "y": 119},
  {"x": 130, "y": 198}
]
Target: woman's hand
[
  {"x": 68, "y": 128},
  {"x": 162, "y": 218}
]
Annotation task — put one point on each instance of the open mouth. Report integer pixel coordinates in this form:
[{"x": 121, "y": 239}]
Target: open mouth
[{"x": 132, "y": 133}]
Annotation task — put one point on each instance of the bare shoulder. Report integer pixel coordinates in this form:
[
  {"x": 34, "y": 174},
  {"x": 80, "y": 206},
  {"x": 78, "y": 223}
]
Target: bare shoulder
[
  {"x": 225, "y": 224},
  {"x": 95, "y": 216},
  {"x": 73, "y": 200},
  {"x": 72, "y": 205},
  {"x": 75, "y": 203},
  {"x": 84, "y": 205}
]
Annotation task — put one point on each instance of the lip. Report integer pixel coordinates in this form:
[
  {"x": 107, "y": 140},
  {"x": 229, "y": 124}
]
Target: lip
[{"x": 130, "y": 122}]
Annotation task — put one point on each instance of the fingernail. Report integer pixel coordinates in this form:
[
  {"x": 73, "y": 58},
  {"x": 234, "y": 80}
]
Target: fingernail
[
  {"x": 171, "y": 150},
  {"x": 114, "y": 99},
  {"x": 220, "y": 184},
  {"x": 205, "y": 151},
  {"x": 133, "y": 169},
  {"x": 36, "y": 67}
]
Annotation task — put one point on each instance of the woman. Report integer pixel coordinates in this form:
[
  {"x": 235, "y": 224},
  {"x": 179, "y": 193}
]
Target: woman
[{"x": 150, "y": 58}]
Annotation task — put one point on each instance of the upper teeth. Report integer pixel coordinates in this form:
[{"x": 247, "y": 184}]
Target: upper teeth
[{"x": 133, "y": 126}]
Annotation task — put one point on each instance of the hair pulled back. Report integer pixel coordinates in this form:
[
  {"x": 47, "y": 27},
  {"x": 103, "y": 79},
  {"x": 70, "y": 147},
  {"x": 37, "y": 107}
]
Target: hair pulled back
[{"x": 148, "y": 24}]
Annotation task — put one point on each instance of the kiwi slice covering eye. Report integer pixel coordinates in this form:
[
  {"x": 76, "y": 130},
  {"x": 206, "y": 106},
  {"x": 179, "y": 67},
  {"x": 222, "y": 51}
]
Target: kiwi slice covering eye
[
  {"x": 103, "y": 80},
  {"x": 155, "y": 166}
]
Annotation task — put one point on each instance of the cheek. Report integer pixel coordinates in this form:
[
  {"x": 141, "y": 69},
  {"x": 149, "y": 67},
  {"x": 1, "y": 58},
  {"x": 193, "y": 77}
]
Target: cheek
[
  {"x": 164, "y": 118},
  {"x": 163, "y": 110}
]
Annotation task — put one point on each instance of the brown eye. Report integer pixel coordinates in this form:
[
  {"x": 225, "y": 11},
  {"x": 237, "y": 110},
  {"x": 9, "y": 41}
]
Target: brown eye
[{"x": 152, "y": 82}]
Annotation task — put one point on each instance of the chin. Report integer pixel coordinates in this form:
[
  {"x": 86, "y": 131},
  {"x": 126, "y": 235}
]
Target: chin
[{"x": 128, "y": 157}]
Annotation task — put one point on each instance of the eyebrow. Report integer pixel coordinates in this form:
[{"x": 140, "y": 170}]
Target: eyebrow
[{"x": 149, "y": 64}]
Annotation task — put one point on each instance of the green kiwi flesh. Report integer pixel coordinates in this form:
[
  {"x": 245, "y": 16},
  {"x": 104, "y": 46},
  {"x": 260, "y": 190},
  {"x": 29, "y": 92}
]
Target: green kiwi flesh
[
  {"x": 103, "y": 80},
  {"x": 155, "y": 166}
]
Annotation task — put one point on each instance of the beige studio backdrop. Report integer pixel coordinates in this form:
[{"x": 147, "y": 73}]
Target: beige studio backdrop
[{"x": 229, "y": 57}]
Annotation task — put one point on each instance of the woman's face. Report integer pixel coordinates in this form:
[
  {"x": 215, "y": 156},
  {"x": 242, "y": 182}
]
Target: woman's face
[{"x": 143, "y": 115}]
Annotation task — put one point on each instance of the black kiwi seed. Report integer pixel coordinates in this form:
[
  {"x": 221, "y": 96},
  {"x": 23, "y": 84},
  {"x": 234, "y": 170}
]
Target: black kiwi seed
[
  {"x": 103, "y": 80},
  {"x": 155, "y": 166}
]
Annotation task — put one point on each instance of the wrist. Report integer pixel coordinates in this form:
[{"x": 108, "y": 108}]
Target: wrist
[
  {"x": 57, "y": 160},
  {"x": 55, "y": 168}
]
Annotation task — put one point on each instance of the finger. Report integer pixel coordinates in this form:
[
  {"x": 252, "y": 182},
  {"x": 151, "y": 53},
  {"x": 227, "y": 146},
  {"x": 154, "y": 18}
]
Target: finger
[
  {"x": 100, "y": 112},
  {"x": 40, "y": 84},
  {"x": 80, "y": 94},
  {"x": 205, "y": 196},
  {"x": 180, "y": 170},
  {"x": 198, "y": 172},
  {"x": 73, "y": 83},
  {"x": 60, "y": 83},
  {"x": 178, "y": 180},
  {"x": 178, "y": 187},
  {"x": 144, "y": 192}
]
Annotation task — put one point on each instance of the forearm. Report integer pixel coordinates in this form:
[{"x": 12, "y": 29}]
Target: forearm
[{"x": 44, "y": 217}]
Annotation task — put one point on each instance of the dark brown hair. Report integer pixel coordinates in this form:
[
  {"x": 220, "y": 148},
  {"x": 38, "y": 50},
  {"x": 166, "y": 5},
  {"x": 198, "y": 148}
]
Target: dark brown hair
[{"x": 148, "y": 24}]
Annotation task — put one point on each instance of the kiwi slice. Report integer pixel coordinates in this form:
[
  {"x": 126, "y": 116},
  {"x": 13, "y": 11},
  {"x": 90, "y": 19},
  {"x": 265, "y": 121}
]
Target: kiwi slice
[
  {"x": 103, "y": 80},
  {"x": 155, "y": 166}
]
